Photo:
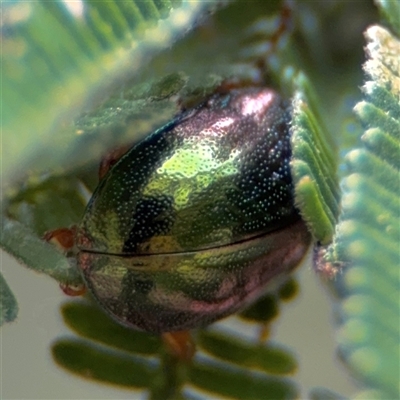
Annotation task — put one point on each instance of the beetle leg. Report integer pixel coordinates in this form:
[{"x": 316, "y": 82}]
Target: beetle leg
[
  {"x": 73, "y": 290},
  {"x": 62, "y": 238},
  {"x": 180, "y": 344},
  {"x": 111, "y": 158}
]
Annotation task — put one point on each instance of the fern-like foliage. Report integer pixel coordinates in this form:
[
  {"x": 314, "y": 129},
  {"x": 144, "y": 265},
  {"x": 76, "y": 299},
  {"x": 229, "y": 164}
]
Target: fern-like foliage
[
  {"x": 314, "y": 165},
  {"x": 367, "y": 237},
  {"x": 8, "y": 304},
  {"x": 50, "y": 79},
  {"x": 59, "y": 57},
  {"x": 224, "y": 364}
]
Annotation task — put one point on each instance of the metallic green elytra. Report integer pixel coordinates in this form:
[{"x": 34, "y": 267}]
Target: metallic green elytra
[{"x": 192, "y": 222}]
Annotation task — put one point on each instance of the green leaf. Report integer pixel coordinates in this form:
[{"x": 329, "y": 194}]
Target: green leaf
[
  {"x": 267, "y": 358},
  {"x": 59, "y": 58},
  {"x": 8, "y": 304},
  {"x": 238, "y": 384},
  {"x": 86, "y": 360},
  {"x": 313, "y": 165},
  {"x": 367, "y": 237},
  {"x": 29, "y": 249}
]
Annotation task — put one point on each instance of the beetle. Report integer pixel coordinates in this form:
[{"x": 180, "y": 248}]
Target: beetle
[{"x": 193, "y": 222}]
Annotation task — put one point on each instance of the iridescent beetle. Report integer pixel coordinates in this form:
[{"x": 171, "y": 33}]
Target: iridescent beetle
[{"x": 192, "y": 222}]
